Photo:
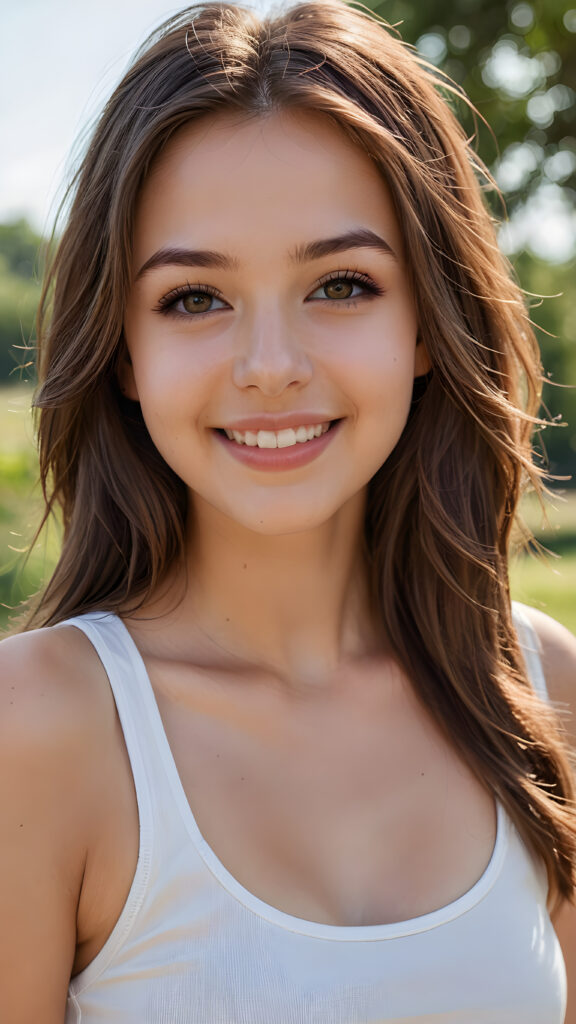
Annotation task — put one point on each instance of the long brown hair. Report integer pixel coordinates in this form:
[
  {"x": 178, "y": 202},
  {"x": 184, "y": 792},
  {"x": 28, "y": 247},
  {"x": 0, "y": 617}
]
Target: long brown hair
[{"x": 440, "y": 509}]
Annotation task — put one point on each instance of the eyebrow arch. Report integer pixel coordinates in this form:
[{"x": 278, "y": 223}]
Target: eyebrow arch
[{"x": 359, "y": 238}]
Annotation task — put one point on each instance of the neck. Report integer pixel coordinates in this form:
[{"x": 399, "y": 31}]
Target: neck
[{"x": 293, "y": 605}]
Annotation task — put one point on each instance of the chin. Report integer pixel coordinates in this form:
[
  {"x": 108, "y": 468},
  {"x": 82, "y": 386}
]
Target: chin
[
  {"x": 280, "y": 524},
  {"x": 282, "y": 515}
]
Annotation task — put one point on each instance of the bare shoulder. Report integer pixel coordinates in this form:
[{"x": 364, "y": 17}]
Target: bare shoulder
[
  {"x": 48, "y": 672},
  {"x": 55, "y": 715},
  {"x": 56, "y": 712},
  {"x": 558, "y": 655}
]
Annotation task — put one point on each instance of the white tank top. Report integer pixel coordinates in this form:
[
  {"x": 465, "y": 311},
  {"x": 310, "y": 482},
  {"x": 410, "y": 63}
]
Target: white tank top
[{"x": 193, "y": 946}]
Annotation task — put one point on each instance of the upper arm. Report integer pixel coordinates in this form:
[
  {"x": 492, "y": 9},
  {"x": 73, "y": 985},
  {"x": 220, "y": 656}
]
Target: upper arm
[
  {"x": 44, "y": 739},
  {"x": 558, "y": 655}
]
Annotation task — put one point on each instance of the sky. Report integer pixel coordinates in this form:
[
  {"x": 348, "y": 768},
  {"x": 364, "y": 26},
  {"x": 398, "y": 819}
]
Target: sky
[{"x": 59, "y": 61}]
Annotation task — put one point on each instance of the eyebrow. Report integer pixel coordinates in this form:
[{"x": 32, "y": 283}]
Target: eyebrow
[{"x": 359, "y": 238}]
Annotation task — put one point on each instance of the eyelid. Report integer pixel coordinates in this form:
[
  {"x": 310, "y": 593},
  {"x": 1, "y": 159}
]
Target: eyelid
[
  {"x": 181, "y": 291},
  {"x": 348, "y": 274},
  {"x": 354, "y": 276}
]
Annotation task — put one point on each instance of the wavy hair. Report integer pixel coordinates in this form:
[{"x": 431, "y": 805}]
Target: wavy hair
[{"x": 440, "y": 510}]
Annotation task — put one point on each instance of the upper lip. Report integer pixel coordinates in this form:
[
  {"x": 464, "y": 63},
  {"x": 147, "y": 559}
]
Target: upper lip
[{"x": 277, "y": 421}]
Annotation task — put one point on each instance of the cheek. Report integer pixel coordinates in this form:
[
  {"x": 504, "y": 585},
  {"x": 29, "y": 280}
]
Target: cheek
[
  {"x": 380, "y": 382},
  {"x": 385, "y": 395},
  {"x": 172, "y": 371},
  {"x": 380, "y": 367}
]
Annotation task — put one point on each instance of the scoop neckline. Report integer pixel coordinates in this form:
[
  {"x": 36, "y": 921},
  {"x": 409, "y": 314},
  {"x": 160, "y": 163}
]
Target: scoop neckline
[{"x": 289, "y": 922}]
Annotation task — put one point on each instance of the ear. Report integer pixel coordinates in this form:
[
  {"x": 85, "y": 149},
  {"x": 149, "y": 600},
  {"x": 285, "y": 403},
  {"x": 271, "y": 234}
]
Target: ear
[
  {"x": 125, "y": 376},
  {"x": 422, "y": 362}
]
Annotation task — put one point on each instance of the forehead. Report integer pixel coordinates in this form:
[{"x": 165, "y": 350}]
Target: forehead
[{"x": 277, "y": 179}]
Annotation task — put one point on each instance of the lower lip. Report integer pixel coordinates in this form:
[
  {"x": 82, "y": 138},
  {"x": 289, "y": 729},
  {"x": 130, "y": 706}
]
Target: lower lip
[{"x": 279, "y": 458}]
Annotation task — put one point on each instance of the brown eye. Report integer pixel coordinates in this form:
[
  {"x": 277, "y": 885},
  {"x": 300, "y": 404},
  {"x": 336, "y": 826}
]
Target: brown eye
[
  {"x": 190, "y": 302},
  {"x": 196, "y": 302},
  {"x": 346, "y": 289},
  {"x": 338, "y": 289}
]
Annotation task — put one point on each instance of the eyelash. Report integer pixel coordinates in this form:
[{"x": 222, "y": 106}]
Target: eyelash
[{"x": 167, "y": 303}]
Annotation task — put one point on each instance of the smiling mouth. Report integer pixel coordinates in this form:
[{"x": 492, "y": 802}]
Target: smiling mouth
[{"x": 286, "y": 438}]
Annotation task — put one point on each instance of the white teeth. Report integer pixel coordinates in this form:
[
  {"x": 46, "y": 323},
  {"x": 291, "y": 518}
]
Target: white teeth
[
  {"x": 277, "y": 439},
  {"x": 286, "y": 438},
  {"x": 267, "y": 439}
]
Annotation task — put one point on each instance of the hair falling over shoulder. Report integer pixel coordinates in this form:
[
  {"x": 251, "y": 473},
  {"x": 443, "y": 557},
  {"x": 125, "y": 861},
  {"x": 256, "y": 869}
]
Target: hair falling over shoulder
[{"x": 440, "y": 510}]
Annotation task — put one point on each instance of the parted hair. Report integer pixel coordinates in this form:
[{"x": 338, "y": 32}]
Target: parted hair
[{"x": 441, "y": 508}]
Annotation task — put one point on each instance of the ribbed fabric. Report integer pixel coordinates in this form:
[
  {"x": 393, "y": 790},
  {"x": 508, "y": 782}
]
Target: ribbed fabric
[{"x": 192, "y": 946}]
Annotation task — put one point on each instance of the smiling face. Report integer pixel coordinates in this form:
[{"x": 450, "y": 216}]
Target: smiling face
[{"x": 248, "y": 325}]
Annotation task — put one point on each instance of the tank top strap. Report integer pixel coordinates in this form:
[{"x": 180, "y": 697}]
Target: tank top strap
[
  {"x": 530, "y": 645},
  {"x": 129, "y": 685}
]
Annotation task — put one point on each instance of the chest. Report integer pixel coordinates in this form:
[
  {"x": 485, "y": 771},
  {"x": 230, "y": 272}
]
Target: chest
[
  {"x": 345, "y": 811},
  {"x": 350, "y": 811}
]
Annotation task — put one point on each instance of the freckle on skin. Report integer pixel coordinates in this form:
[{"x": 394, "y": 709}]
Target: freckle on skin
[{"x": 245, "y": 565}]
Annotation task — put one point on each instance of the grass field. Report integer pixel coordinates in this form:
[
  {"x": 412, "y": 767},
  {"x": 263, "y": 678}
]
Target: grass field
[{"x": 548, "y": 584}]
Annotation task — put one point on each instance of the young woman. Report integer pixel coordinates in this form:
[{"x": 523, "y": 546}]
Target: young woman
[{"x": 278, "y": 748}]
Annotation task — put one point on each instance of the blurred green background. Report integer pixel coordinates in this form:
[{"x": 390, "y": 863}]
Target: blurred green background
[{"x": 517, "y": 63}]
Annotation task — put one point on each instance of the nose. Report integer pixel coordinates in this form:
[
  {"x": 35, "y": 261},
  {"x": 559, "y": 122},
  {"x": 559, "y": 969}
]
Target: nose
[{"x": 271, "y": 358}]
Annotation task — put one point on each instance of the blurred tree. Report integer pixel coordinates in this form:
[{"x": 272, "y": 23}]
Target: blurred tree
[
  {"x": 20, "y": 247},
  {"x": 20, "y": 250},
  {"x": 556, "y": 332},
  {"x": 517, "y": 63}
]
